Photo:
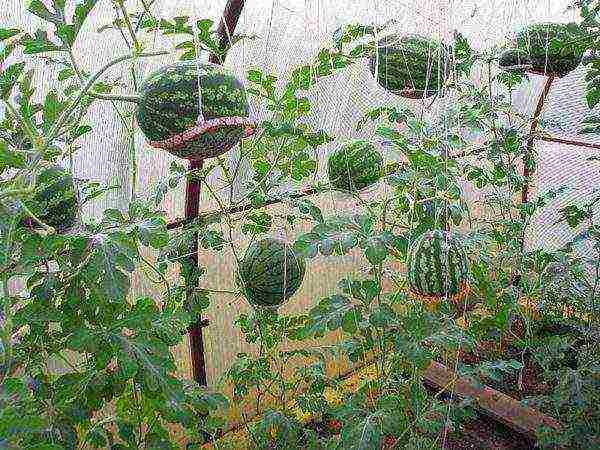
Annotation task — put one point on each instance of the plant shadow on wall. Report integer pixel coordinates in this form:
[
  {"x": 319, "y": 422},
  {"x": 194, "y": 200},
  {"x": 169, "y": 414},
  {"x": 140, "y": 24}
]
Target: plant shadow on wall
[{"x": 85, "y": 363}]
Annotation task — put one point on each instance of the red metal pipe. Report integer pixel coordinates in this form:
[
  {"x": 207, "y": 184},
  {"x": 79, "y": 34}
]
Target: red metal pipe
[
  {"x": 534, "y": 124},
  {"x": 229, "y": 20},
  {"x": 192, "y": 208},
  {"x": 569, "y": 142}
]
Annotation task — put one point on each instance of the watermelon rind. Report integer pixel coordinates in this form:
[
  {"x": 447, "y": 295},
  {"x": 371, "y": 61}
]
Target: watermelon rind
[
  {"x": 410, "y": 65},
  {"x": 437, "y": 266},
  {"x": 547, "y": 48},
  {"x": 270, "y": 272},
  {"x": 55, "y": 201},
  {"x": 172, "y": 98},
  {"x": 354, "y": 166}
]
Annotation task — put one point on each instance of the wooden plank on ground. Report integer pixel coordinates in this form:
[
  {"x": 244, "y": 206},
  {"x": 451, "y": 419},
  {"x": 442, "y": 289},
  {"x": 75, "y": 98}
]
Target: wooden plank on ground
[{"x": 497, "y": 405}]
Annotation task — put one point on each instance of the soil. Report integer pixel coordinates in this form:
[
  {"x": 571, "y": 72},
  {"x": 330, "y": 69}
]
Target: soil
[
  {"x": 480, "y": 433},
  {"x": 485, "y": 434},
  {"x": 526, "y": 382}
]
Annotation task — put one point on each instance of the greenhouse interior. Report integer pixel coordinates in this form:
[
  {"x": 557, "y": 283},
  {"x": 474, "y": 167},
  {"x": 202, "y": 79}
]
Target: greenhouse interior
[{"x": 300, "y": 224}]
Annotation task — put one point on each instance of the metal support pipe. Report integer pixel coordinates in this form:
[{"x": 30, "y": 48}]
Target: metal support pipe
[
  {"x": 534, "y": 124},
  {"x": 569, "y": 142},
  {"x": 229, "y": 20},
  {"x": 192, "y": 208}
]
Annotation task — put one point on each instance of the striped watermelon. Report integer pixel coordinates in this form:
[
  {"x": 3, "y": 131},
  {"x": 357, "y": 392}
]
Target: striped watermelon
[
  {"x": 270, "y": 272},
  {"x": 410, "y": 65},
  {"x": 437, "y": 266},
  {"x": 354, "y": 166},
  {"x": 548, "y": 48},
  {"x": 169, "y": 108},
  {"x": 55, "y": 201},
  {"x": 513, "y": 60}
]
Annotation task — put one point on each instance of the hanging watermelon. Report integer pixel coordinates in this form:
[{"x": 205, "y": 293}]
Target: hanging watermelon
[
  {"x": 55, "y": 201},
  {"x": 438, "y": 267},
  {"x": 354, "y": 166},
  {"x": 270, "y": 273},
  {"x": 545, "y": 49},
  {"x": 193, "y": 110},
  {"x": 514, "y": 60},
  {"x": 410, "y": 65}
]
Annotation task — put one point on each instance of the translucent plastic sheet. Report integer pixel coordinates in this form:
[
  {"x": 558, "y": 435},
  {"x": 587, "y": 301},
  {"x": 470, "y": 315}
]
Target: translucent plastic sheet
[{"x": 290, "y": 32}]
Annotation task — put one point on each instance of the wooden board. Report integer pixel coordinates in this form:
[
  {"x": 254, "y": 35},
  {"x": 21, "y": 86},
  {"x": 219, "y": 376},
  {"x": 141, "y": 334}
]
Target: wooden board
[{"x": 494, "y": 404}]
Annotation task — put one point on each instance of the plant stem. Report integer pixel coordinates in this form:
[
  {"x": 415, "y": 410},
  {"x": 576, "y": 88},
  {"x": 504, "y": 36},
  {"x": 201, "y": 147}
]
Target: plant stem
[
  {"x": 6, "y": 328},
  {"x": 117, "y": 97},
  {"x": 85, "y": 90},
  {"x": 31, "y": 133},
  {"x": 37, "y": 220},
  {"x": 126, "y": 19}
]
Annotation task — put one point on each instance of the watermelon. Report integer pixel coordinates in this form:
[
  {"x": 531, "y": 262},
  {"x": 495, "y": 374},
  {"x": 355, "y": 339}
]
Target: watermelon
[
  {"x": 270, "y": 273},
  {"x": 354, "y": 166},
  {"x": 513, "y": 60},
  {"x": 438, "y": 266},
  {"x": 178, "y": 100},
  {"x": 410, "y": 65},
  {"x": 55, "y": 201},
  {"x": 546, "y": 48}
]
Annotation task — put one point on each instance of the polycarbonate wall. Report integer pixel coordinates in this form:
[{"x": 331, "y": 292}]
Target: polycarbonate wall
[{"x": 290, "y": 32}]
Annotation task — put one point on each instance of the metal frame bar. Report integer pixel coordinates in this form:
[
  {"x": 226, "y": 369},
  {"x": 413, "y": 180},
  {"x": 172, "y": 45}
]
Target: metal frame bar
[
  {"x": 569, "y": 142},
  {"x": 229, "y": 20},
  {"x": 534, "y": 124}
]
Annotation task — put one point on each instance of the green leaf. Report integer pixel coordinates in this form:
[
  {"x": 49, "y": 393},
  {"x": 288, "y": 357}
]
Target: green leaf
[
  {"x": 204, "y": 25},
  {"x": 376, "y": 252},
  {"x": 97, "y": 438},
  {"x": 331, "y": 314},
  {"x": 364, "y": 291},
  {"x": 52, "y": 109},
  {"x": 10, "y": 158},
  {"x": 350, "y": 321},
  {"x": 111, "y": 258},
  {"x": 211, "y": 239},
  {"x": 305, "y": 206},
  {"x": 254, "y": 75},
  {"x": 382, "y": 316},
  {"x": 39, "y": 43},
  {"x": 178, "y": 26},
  {"x": 364, "y": 434},
  {"x": 65, "y": 74},
  {"x": 153, "y": 232},
  {"x": 257, "y": 222},
  {"x": 80, "y": 131},
  {"x": 128, "y": 366},
  {"x": 82, "y": 11},
  {"x": 38, "y": 8},
  {"x": 8, "y": 78},
  {"x": 302, "y": 167},
  {"x": 127, "y": 432},
  {"x": 7, "y": 33},
  {"x": 66, "y": 33},
  {"x": 82, "y": 340}
]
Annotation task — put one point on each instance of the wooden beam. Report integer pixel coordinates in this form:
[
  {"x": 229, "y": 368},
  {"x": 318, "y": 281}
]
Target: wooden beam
[{"x": 492, "y": 403}]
